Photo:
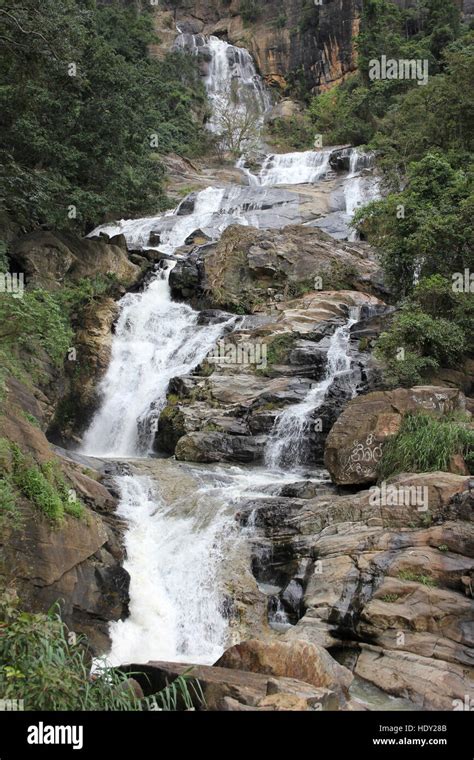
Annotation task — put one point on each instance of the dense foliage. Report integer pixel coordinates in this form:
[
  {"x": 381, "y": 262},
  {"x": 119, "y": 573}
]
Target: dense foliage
[
  {"x": 426, "y": 444},
  {"x": 49, "y": 668},
  {"x": 86, "y": 112},
  {"x": 432, "y": 329}
]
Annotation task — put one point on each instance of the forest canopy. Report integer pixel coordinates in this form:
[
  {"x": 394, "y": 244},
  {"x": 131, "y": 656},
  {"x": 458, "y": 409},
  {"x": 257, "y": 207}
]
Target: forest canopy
[{"x": 87, "y": 113}]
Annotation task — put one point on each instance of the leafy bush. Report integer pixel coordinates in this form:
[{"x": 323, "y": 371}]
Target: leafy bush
[
  {"x": 295, "y": 133},
  {"x": 418, "y": 344},
  {"x": 45, "y": 487},
  {"x": 43, "y": 665},
  {"x": 249, "y": 10},
  {"x": 415, "y": 228},
  {"x": 426, "y": 444},
  {"x": 434, "y": 329}
]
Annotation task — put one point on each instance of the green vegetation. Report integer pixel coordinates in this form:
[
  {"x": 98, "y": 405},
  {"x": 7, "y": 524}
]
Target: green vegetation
[
  {"x": 411, "y": 575},
  {"x": 419, "y": 340},
  {"x": 69, "y": 161},
  {"x": 278, "y": 348},
  {"x": 426, "y": 444},
  {"x": 390, "y": 598},
  {"x": 36, "y": 330},
  {"x": 414, "y": 229},
  {"x": 10, "y": 515},
  {"x": 293, "y": 133},
  {"x": 250, "y": 10},
  {"x": 42, "y": 664},
  {"x": 352, "y": 112},
  {"x": 424, "y": 142},
  {"x": 44, "y": 485}
]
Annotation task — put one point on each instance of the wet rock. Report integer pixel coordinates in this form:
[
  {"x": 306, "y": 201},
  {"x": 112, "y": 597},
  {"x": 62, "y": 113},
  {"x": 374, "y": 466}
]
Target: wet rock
[
  {"x": 354, "y": 445},
  {"x": 49, "y": 259},
  {"x": 298, "y": 660},
  {"x": 219, "y": 447},
  {"x": 229, "y": 689}
]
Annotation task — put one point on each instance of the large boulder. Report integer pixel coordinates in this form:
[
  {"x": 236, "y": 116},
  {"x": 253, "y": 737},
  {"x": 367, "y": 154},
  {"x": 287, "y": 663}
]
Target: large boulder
[
  {"x": 296, "y": 659},
  {"x": 50, "y": 259},
  {"x": 248, "y": 266},
  {"x": 229, "y": 689},
  {"x": 428, "y": 682},
  {"x": 354, "y": 444}
]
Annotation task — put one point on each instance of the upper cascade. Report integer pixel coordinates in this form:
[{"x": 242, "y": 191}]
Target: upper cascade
[{"x": 229, "y": 75}]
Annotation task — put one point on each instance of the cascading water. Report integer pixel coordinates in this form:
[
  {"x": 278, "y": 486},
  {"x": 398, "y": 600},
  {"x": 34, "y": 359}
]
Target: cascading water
[
  {"x": 175, "y": 609},
  {"x": 211, "y": 210},
  {"x": 286, "y": 446},
  {"x": 155, "y": 340},
  {"x": 294, "y": 168},
  {"x": 230, "y": 77},
  {"x": 177, "y": 544},
  {"x": 359, "y": 188}
]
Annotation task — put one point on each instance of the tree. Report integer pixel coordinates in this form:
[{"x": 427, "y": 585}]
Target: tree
[{"x": 87, "y": 113}]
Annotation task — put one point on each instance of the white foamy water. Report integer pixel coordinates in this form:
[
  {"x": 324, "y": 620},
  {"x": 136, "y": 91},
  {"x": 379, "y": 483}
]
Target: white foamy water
[
  {"x": 294, "y": 168},
  {"x": 173, "y": 557},
  {"x": 286, "y": 446},
  {"x": 155, "y": 340},
  {"x": 360, "y": 188},
  {"x": 230, "y": 76}
]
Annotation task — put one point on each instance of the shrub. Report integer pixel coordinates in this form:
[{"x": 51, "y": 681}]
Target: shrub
[
  {"x": 427, "y": 344},
  {"x": 425, "y": 444},
  {"x": 45, "y": 487},
  {"x": 249, "y": 10},
  {"x": 294, "y": 133},
  {"x": 50, "y": 670}
]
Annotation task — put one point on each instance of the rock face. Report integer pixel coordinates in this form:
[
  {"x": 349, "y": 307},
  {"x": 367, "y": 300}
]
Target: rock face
[
  {"x": 225, "y": 410},
  {"x": 389, "y": 585},
  {"x": 316, "y": 39},
  {"x": 76, "y": 562},
  {"x": 354, "y": 445},
  {"x": 49, "y": 259},
  {"x": 247, "y": 263},
  {"x": 296, "y": 659}
]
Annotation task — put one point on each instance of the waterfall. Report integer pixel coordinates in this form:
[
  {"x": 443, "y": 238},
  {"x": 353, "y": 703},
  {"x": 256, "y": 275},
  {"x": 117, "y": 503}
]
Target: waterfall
[
  {"x": 155, "y": 340},
  {"x": 359, "y": 188},
  {"x": 181, "y": 528},
  {"x": 229, "y": 76},
  {"x": 287, "y": 443},
  {"x": 294, "y": 168},
  {"x": 173, "y": 557}
]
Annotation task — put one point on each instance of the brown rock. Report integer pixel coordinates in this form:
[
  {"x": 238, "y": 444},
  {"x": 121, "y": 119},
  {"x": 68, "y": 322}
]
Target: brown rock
[
  {"x": 354, "y": 445},
  {"x": 49, "y": 259},
  {"x": 296, "y": 659}
]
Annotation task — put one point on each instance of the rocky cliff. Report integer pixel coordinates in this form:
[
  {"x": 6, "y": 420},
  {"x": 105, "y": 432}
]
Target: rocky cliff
[{"x": 294, "y": 42}]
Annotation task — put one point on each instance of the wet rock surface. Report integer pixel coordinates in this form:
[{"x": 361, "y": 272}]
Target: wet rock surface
[{"x": 355, "y": 443}]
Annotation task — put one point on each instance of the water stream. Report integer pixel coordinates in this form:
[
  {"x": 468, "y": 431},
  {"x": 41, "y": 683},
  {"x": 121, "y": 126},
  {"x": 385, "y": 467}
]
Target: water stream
[{"x": 181, "y": 519}]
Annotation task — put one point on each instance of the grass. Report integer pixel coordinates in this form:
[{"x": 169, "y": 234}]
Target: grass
[
  {"x": 10, "y": 514},
  {"x": 411, "y": 575},
  {"x": 41, "y": 664},
  {"x": 277, "y": 351},
  {"x": 390, "y": 598},
  {"x": 426, "y": 444},
  {"x": 44, "y": 485}
]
